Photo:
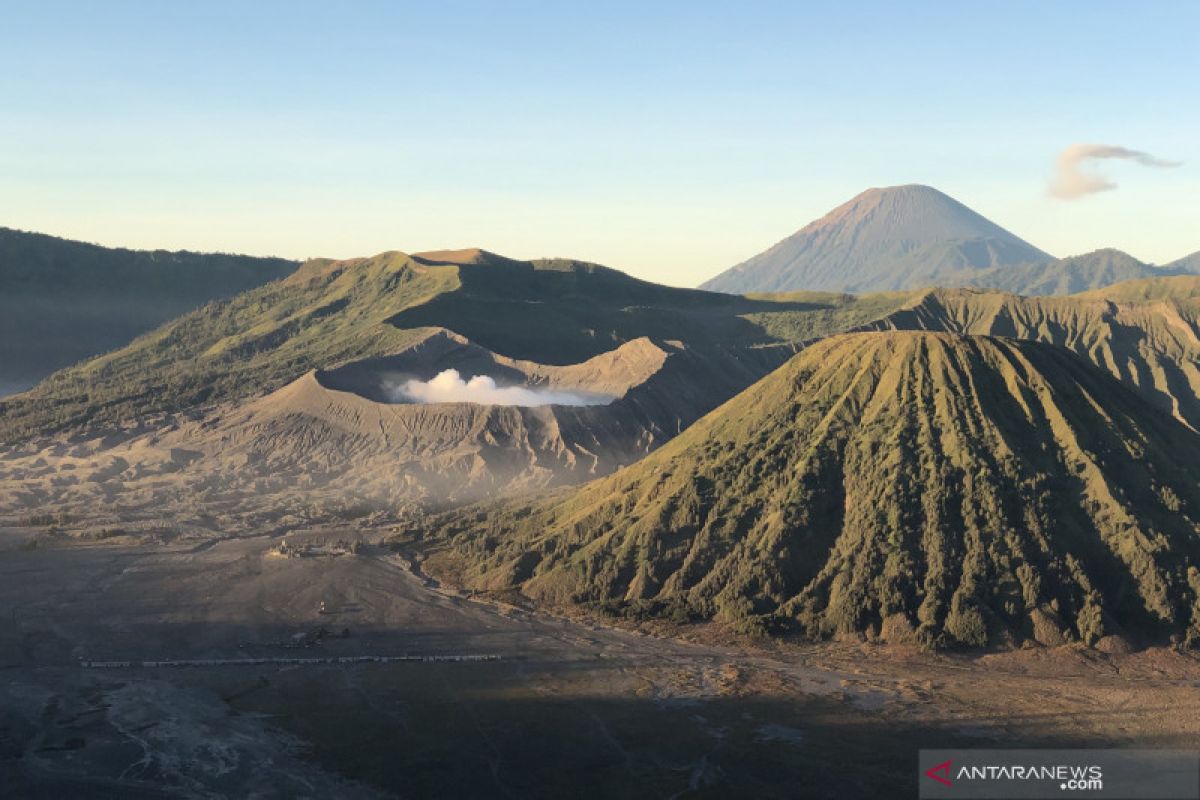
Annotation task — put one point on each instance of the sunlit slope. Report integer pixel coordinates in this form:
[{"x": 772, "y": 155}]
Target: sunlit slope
[
  {"x": 1143, "y": 332},
  {"x": 324, "y": 313},
  {"x": 954, "y": 490},
  {"x": 332, "y": 312}
]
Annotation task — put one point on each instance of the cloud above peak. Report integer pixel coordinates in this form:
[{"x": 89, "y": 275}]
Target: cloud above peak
[{"x": 1071, "y": 181}]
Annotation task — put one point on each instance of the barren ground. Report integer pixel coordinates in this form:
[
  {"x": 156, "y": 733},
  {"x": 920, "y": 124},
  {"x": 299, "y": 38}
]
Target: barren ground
[{"x": 571, "y": 708}]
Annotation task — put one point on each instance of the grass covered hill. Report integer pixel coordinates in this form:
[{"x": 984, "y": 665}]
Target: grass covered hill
[
  {"x": 1145, "y": 333},
  {"x": 63, "y": 301},
  {"x": 332, "y": 312},
  {"x": 953, "y": 490}
]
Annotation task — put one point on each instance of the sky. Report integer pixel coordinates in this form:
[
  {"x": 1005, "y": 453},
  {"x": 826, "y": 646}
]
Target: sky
[{"x": 667, "y": 139}]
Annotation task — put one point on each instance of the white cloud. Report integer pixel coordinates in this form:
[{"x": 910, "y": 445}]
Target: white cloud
[
  {"x": 449, "y": 387},
  {"x": 1070, "y": 181}
]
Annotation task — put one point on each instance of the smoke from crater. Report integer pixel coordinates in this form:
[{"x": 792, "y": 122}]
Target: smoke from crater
[{"x": 448, "y": 386}]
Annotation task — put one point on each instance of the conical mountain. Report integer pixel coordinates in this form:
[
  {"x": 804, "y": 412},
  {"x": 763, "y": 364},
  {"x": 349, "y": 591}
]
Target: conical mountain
[
  {"x": 886, "y": 238},
  {"x": 950, "y": 489}
]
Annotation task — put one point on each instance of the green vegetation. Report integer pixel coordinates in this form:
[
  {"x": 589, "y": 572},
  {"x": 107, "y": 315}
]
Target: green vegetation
[
  {"x": 947, "y": 490},
  {"x": 931, "y": 487},
  {"x": 324, "y": 313},
  {"x": 332, "y": 312},
  {"x": 831, "y": 313},
  {"x": 560, "y": 311},
  {"x": 64, "y": 301},
  {"x": 1142, "y": 332}
]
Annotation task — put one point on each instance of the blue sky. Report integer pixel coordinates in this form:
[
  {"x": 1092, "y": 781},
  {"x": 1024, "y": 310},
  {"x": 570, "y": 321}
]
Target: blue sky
[{"x": 667, "y": 139}]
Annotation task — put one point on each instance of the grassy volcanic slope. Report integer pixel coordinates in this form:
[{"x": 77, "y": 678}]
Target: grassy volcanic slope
[
  {"x": 955, "y": 490},
  {"x": 63, "y": 301},
  {"x": 1146, "y": 333},
  {"x": 330, "y": 312}
]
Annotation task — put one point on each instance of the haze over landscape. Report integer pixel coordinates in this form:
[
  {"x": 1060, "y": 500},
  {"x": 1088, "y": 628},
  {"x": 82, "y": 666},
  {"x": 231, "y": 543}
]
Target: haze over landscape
[
  {"x": 293, "y": 507},
  {"x": 672, "y": 141}
]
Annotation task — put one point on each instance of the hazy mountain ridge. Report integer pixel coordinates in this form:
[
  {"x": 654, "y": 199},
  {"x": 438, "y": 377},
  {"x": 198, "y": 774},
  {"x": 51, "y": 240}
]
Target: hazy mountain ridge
[
  {"x": 62, "y": 301},
  {"x": 909, "y": 486},
  {"x": 1190, "y": 263},
  {"x": 1071, "y": 275},
  {"x": 910, "y": 237}
]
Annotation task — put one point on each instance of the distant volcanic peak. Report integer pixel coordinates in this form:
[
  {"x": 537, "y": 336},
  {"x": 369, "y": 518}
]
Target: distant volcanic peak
[
  {"x": 910, "y": 213},
  {"x": 883, "y": 239},
  {"x": 874, "y": 197},
  {"x": 905, "y": 188},
  {"x": 877, "y": 195}
]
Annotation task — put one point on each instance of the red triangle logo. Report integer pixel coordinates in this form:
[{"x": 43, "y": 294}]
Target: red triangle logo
[{"x": 943, "y": 768}]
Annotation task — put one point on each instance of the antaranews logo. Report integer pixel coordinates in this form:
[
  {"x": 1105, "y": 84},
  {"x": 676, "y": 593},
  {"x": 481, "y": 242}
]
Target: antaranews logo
[
  {"x": 940, "y": 773},
  {"x": 1069, "y": 776},
  {"x": 1149, "y": 774}
]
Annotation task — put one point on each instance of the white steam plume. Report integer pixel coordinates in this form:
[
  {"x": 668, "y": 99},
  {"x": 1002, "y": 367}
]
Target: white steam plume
[
  {"x": 1071, "y": 182},
  {"x": 449, "y": 387}
]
